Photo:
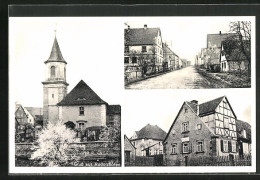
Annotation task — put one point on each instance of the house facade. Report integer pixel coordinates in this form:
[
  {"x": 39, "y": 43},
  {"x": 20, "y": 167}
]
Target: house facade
[
  {"x": 143, "y": 45},
  {"x": 207, "y": 129},
  {"x": 213, "y": 52},
  {"x": 130, "y": 152},
  {"x": 148, "y": 141}
]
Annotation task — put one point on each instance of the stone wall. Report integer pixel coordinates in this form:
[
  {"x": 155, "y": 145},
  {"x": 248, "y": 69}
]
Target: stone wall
[{"x": 97, "y": 152}]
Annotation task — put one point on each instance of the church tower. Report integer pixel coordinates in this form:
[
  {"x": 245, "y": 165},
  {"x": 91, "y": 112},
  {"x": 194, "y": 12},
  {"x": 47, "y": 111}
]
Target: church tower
[{"x": 54, "y": 84}]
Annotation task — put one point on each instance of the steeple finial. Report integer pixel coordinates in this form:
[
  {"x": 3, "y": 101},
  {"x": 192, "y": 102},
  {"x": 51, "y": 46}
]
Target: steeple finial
[{"x": 55, "y": 29}]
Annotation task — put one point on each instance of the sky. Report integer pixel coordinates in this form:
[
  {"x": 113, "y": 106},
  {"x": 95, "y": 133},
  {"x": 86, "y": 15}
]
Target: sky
[
  {"x": 186, "y": 36},
  {"x": 94, "y": 50}
]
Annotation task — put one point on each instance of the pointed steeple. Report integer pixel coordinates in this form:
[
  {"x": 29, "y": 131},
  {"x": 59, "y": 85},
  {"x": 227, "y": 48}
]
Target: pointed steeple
[{"x": 56, "y": 55}]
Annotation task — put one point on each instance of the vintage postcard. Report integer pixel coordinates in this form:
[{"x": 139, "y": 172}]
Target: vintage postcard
[
  {"x": 191, "y": 54},
  {"x": 132, "y": 94}
]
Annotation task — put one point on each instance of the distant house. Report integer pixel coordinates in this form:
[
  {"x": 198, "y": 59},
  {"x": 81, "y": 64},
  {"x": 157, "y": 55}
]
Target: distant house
[
  {"x": 244, "y": 137},
  {"x": 23, "y": 116},
  {"x": 143, "y": 45},
  {"x": 130, "y": 152},
  {"x": 207, "y": 129},
  {"x": 169, "y": 57},
  {"x": 147, "y": 137},
  {"x": 214, "y": 48},
  {"x": 233, "y": 61},
  {"x": 37, "y": 114},
  {"x": 184, "y": 63},
  {"x": 188, "y": 63}
]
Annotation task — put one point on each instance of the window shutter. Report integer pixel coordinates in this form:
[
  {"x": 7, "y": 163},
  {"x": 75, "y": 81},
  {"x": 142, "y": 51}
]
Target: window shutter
[
  {"x": 181, "y": 148},
  {"x": 190, "y": 147},
  {"x": 229, "y": 146},
  {"x": 222, "y": 145}
]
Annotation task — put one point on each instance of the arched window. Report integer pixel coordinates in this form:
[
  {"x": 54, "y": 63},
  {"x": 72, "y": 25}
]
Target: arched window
[{"x": 53, "y": 71}]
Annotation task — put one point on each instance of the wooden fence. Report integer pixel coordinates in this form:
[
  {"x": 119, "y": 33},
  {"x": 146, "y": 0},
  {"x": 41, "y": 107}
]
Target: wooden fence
[
  {"x": 156, "y": 160},
  {"x": 233, "y": 160}
]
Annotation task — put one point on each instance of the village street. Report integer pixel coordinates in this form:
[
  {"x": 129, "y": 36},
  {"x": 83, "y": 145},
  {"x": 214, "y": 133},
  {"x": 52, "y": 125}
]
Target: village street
[{"x": 186, "y": 78}]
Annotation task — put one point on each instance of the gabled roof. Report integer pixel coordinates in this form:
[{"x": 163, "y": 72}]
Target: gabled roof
[
  {"x": 81, "y": 94},
  {"x": 56, "y": 55},
  {"x": 141, "y": 36},
  {"x": 35, "y": 111},
  {"x": 168, "y": 50},
  {"x": 210, "y": 106},
  {"x": 242, "y": 125},
  {"x": 127, "y": 139},
  {"x": 151, "y": 132},
  {"x": 114, "y": 109},
  {"x": 214, "y": 40}
]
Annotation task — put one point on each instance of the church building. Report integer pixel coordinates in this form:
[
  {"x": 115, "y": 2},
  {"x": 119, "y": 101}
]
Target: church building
[{"x": 82, "y": 107}]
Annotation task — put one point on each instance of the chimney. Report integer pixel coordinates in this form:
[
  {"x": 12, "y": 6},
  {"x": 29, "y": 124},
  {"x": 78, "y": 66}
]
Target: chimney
[
  {"x": 195, "y": 102},
  {"x": 219, "y": 32},
  {"x": 145, "y": 26}
]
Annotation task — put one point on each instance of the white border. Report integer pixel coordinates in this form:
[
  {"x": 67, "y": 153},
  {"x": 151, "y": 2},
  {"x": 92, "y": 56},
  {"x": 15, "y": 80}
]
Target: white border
[{"x": 165, "y": 169}]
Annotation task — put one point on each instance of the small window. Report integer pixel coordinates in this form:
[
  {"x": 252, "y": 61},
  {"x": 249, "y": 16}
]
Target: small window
[
  {"x": 225, "y": 146},
  {"x": 174, "y": 149},
  {"x": 143, "y": 48},
  {"x": 185, "y": 147},
  {"x": 161, "y": 152},
  {"x": 126, "y": 60},
  {"x": 184, "y": 126},
  {"x": 185, "y": 110},
  {"x": 52, "y": 95},
  {"x": 199, "y": 146},
  {"x": 110, "y": 117},
  {"x": 81, "y": 111},
  {"x": 199, "y": 126},
  {"x": 134, "y": 59},
  {"x": 127, "y": 49}
]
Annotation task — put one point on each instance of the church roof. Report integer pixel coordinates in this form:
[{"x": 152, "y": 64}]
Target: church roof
[
  {"x": 56, "y": 55},
  {"x": 81, "y": 94}
]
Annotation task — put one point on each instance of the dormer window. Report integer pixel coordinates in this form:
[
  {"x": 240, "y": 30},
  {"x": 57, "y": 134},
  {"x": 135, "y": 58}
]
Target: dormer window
[{"x": 81, "y": 99}]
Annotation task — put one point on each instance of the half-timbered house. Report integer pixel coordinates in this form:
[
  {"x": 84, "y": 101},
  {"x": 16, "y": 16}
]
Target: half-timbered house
[{"x": 207, "y": 129}]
